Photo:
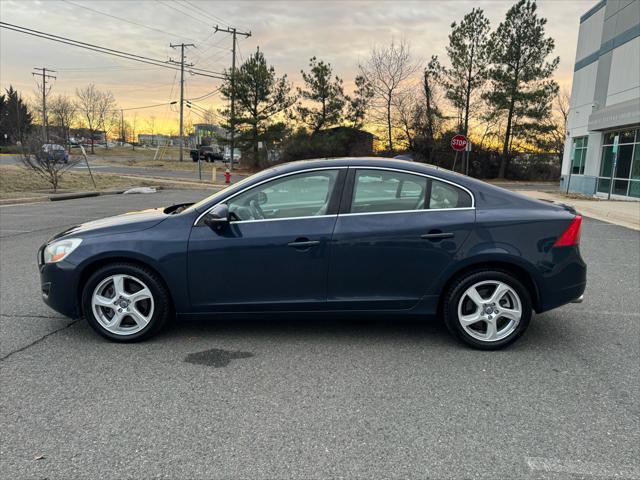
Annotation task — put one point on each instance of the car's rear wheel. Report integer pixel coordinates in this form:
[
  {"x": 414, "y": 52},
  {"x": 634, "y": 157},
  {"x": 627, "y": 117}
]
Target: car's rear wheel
[
  {"x": 125, "y": 302},
  {"x": 487, "y": 309}
]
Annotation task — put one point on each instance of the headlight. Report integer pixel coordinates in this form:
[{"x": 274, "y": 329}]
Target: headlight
[{"x": 58, "y": 250}]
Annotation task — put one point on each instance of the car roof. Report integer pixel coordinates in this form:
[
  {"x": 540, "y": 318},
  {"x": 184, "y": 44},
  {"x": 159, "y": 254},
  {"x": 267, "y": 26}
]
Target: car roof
[{"x": 486, "y": 195}]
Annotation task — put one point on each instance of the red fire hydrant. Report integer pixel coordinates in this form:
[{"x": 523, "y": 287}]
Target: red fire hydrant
[{"x": 227, "y": 176}]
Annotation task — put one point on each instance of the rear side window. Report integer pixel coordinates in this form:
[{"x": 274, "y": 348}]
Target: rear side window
[
  {"x": 391, "y": 191},
  {"x": 387, "y": 191},
  {"x": 445, "y": 195}
]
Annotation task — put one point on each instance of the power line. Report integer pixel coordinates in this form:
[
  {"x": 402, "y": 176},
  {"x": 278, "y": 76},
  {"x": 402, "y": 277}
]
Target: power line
[
  {"x": 146, "y": 106},
  {"x": 45, "y": 76},
  {"x": 183, "y": 12},
  {"x": 206, "y": 95},
  {"x": 207, "y": 14},
  {"x": 107, "y": 51},
  {"x": 182, "y": 64},
  {"x": 114, "y": 67},
  {"x": 234, "y": 33},
  {"x": 164, "y": 32}
]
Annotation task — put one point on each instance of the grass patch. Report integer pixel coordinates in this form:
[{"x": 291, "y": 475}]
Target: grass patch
[{"x": 18, "y": 182}]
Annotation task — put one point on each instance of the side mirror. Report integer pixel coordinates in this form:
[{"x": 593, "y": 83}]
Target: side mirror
[{"x": 217, "y": 217}]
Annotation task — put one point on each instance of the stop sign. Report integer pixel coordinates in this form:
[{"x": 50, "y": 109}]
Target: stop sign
[{"x": 459, "y": 142}]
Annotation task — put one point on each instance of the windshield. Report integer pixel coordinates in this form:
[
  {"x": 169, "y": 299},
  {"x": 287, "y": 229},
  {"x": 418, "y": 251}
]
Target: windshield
[{"x": 225, "y": 191}]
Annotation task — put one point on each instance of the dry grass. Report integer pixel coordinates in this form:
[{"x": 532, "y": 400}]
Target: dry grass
[{"x": 17, "y": 182}]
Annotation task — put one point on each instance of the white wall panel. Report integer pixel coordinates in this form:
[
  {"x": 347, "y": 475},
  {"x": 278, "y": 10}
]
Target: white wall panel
[
  {"x": 590, "y": 35},
  {"x": 624, "y": 77}
]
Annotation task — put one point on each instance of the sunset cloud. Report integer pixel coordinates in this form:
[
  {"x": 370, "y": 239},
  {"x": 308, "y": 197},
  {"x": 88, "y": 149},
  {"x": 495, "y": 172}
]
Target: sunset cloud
[{"x": 288, "y": 32}]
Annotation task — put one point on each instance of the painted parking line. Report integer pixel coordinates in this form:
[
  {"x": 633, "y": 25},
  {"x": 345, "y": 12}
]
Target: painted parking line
[{"x": 589, "y": 469}]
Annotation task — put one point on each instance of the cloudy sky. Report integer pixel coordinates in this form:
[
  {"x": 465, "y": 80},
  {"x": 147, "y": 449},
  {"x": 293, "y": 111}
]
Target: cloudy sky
[{"x": 288, "y": 32}]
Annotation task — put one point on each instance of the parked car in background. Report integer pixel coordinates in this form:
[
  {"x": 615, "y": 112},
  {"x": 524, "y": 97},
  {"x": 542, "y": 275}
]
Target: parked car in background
[
  {"x": 206, "y": 153},
  {"x": 227, "y": 155},
  {"x": 343, "y": 236},
  {"x": 56, "y": 152}
]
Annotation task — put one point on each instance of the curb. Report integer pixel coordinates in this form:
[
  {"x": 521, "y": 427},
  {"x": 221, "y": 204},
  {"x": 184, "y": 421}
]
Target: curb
[
  {"x": 71, "y": 196},
  {"x": 65, "y": 196}
]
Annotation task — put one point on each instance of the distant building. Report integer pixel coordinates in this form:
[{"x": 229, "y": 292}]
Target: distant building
[
  {"x": 603, "y": 129},
  {"x": 206, "y": 133},
  {"x": 155, "y": 140}
]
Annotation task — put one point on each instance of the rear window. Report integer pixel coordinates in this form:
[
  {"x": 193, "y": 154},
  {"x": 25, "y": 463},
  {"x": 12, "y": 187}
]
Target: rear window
[
  {"x": 392, "y": 191},
  {"x": 445, "y": 195}
]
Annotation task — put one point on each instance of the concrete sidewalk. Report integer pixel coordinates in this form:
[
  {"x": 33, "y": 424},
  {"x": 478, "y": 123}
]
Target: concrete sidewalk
[{"x": 624, "y": 213}]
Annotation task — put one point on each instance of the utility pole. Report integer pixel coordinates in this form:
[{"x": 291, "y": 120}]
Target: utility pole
[
  {"x": 45, "y": 76},
  {"x": 122, "y": 126},
  {"x": 234, "y": 32},
  {"x": 181, "y": 62}
]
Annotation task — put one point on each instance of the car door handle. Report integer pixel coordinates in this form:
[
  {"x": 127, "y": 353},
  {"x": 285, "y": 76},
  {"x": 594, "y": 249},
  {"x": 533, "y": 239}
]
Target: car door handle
[
  {"x": 436, "y": 235},
  {"x": 304, "y": 243}
]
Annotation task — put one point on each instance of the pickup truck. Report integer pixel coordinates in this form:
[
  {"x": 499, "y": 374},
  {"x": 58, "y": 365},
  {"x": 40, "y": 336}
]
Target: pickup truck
[{"x": 206, "y": 153}]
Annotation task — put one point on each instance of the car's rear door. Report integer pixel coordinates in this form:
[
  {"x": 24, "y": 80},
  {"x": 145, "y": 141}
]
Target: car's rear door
[
  {"x": 396, "y": 232},
  {"x": 274, "y": 255}
]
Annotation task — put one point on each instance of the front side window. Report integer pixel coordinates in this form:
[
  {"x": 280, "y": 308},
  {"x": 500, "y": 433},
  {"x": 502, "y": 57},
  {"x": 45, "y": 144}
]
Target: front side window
[
  {"x": 391, "y": 191},
  {"x": 301, "y": 195}
]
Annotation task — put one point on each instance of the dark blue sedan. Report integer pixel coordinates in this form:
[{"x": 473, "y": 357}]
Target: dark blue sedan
[{"x": 346, "y": 236}]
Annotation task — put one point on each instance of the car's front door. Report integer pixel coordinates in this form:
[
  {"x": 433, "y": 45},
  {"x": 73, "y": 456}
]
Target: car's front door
[
  {"x": 273, "y": 255},
  {"x": 396, "y": 232}
]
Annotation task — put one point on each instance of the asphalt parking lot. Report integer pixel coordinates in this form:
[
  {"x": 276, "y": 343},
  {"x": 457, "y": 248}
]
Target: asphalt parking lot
[{"x": 321, "y": 398}]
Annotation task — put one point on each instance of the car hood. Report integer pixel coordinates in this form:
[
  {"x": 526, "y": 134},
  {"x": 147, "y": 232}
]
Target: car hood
[{"x": 127, "y": 222}]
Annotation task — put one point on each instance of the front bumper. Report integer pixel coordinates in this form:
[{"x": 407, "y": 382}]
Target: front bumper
[{"x": 58, "y": 286}]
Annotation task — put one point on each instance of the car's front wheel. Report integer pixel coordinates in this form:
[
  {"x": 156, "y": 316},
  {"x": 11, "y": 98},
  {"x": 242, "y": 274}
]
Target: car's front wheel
[
  {"x": 487, "y": 309},
  {"x": 125, "y": 302}
]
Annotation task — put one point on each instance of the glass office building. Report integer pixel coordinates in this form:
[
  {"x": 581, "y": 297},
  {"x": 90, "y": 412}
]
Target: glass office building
[{"x": 602, "y": 150}]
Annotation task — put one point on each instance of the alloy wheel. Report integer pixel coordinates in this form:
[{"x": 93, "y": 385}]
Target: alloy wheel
[
  {"x": 489, "y": 311},
  {"x": 122, "y": 304}
]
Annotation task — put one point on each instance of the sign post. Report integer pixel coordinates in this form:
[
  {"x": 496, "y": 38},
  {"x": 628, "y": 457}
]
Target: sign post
[
  {"x": 459, "y": 144},
  {"x": 468, "y": 151},
  {"x": 616, "y": 141}
]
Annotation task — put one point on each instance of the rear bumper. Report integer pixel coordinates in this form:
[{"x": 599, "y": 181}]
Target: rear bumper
[{"x": 565, "y": 282}]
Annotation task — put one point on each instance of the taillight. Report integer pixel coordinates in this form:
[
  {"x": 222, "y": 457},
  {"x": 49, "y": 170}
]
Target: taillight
[{"x": 571, "y": 236}]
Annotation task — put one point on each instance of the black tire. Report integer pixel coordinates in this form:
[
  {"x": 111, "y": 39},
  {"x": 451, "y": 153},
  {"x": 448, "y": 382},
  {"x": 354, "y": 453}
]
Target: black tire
[
  {"x": 162, "y": 303},
  {"x": 460, "y": 286}
]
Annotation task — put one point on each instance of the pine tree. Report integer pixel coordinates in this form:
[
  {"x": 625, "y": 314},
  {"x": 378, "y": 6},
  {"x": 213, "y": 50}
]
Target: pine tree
[
  {"x": 16, "y": 120},
  {"x": 521, "y": 83},
  {"x": 324, "y": 95},
  {"x": 468, "y": 54},
  {"x": 260, "y": 97}
]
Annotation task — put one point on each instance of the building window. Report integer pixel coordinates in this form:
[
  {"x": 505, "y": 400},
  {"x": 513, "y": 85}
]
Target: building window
[
  {"x": 623, "y": 166},
  {"x": 578, "y": 155}
]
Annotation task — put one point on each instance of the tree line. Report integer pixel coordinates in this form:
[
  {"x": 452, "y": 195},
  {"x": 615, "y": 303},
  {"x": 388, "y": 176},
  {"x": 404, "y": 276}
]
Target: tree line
[
  {"x": 91, "y": 109},
  {"x": 495, "y": 86}
]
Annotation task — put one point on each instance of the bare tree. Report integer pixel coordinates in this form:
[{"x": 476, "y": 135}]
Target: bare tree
[
  {"x": 407, "y": 115},
  {"x": 63, "y": 112},
  {"x": 95, "y": 107},
  {"x": 151, "y": 126},
  {"x": 555, "y": 126},
  {"x": 387, "y": 71},
  {"x": 108, "y": 115},
  {"x": 46, "y": 162},
  {"x": 132, "y": 130}
]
